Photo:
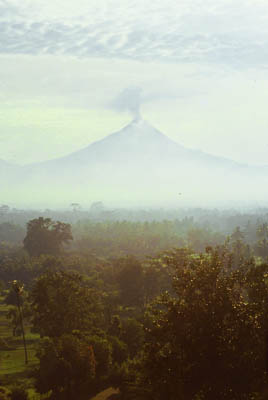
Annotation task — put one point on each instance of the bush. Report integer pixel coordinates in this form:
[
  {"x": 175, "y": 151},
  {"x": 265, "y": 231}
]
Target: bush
[
  {"x": 119, "y": 350},
  {"x": 4, "y": 346},
  {"x": 3, "y": 393},
  {"x": 18, "y": 393}
]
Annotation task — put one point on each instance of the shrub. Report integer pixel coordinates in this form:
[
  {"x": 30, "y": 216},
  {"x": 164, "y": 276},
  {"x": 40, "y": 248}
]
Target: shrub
[
  {"x": 18, "y": 392},
  {"x": 3, "y": 393},
  {"x": 4, "y": 345}
]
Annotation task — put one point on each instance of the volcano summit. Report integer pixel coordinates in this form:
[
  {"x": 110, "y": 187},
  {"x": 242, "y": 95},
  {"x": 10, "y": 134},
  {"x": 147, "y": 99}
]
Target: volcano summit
[{"x": 137, "y": 165}]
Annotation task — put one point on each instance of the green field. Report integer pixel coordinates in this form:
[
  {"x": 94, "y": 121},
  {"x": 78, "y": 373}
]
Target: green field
[{"x": 12, "y": 359}]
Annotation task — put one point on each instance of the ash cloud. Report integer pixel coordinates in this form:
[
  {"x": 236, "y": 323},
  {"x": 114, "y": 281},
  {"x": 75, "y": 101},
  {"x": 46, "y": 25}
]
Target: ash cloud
[{"x": 129, "y": 100}]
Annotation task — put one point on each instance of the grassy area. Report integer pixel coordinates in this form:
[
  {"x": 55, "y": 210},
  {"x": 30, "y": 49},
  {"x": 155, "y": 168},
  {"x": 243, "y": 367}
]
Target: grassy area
[
  {"x": 12, "y": 358},
  {"x": 13, "y": 361},
  {"x": 5, "y": 330}
]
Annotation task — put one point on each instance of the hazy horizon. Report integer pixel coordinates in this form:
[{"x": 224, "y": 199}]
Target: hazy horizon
[{"x": 138, "y": 166}]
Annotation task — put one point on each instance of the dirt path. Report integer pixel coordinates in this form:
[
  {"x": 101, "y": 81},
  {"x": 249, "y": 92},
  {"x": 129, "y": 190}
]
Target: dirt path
[{"x": 105, "y": 394}]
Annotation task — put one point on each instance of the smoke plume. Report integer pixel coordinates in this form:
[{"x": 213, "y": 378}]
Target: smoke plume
[{"x": 129, "y": 100}]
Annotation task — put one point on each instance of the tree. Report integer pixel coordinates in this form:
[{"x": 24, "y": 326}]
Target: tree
[
  {"x": 18, "y": 392},
  {"x": 262, "y": 231},
  {"x": 132, "y": 335},
  {"x": 237, "y": 235},
  {"x": 131, "y": 281},
  {"x": 68, "y": 314},
  {"x": 97, "y": 207},
  {"x": 67, "y": 368},
  {"x": 62, "y": 302},
  {"x": 4, "y": 209},
  {"x": 206, "y": 340},
  {"x": 11, "y": 233},
  {"x": 13, "y": 316},
  {"x": 240, "y": 249},
  {"x": 18, "y": 289},
  {"x": 261, "y": 247},
  {"x": 4, "y": 393},
  {"x": 45, "y": 236},
  {"x": 75, "y": 207},
  {"x": 199, "y": 238}
]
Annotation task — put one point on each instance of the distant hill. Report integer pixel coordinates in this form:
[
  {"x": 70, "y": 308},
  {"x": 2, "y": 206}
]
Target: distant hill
[
  {"x": 138, "y": 165},
  {"x": 8, "y": 173},
  {"x": 5, "y": 164}
]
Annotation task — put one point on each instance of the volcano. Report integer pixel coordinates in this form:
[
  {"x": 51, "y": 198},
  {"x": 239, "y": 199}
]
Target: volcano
[{"x": 138, "y": 165}]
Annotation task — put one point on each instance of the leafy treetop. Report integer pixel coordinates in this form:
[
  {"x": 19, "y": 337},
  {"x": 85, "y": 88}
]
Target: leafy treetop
[{"x": 45, "y": 236}]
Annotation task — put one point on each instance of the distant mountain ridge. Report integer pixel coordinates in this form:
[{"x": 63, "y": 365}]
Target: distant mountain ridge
[
  {"x": 7, "y": 167},
  {"x": 136, "y": 165},
  {"x": 7, "y": 164}
]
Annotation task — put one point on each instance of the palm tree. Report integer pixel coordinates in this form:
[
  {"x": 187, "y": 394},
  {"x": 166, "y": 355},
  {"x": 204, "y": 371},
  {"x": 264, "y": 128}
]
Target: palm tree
[{"x": 18, "y": 289}]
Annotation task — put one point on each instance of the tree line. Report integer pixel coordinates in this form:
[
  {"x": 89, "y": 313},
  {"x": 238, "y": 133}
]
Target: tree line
[{"x": 182, "y": 324}]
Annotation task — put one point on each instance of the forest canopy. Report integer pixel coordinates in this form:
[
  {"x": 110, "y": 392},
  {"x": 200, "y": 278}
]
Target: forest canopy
[{"x": 155, "y": 309}]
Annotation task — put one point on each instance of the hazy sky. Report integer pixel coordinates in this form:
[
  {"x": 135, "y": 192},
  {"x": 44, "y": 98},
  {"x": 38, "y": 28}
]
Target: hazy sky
[{"x": 71, "y": 70}]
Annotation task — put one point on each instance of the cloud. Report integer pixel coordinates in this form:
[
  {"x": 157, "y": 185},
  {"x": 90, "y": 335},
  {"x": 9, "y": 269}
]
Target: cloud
[
  {"x": 83, "y": 55},
  {"x": 122, "y": 85},
  {"x": 191, "y": 31}
]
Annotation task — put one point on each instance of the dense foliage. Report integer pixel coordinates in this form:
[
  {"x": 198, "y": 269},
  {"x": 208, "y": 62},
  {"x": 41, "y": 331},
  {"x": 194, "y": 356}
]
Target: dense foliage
[
  {"x": 161, "y": 310},
  {"x": 207, "y": 338},
  {"x": 45, "y": 236}
]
